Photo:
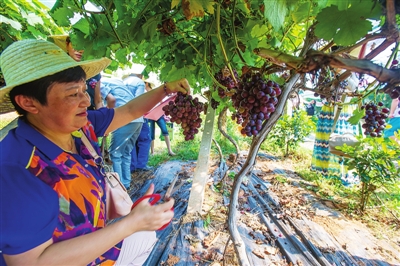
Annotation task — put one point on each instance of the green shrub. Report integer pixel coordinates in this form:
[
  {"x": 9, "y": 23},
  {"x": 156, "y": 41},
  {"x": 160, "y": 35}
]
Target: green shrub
[
  {"x": 290, "y": 131},
  {"x": 374, "y": 162}
]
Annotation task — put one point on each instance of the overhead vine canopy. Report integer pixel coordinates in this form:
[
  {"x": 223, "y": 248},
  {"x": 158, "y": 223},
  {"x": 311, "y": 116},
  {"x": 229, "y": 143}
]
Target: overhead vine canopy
[{"x": 193, "y": 39}]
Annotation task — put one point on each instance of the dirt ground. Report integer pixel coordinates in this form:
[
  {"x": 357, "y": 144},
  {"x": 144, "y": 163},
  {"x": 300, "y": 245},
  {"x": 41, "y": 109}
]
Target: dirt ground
[{"x": 367, "y": 246}]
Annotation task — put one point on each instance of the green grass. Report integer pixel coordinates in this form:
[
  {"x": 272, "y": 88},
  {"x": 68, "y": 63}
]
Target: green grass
[
  {"x": 385, "y": 209},
  {"x": 184, "y": 150},
  {"x": 189, "y": 150}
]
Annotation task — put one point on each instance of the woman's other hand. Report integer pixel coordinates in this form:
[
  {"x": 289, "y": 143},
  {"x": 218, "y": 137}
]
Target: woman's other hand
[{"x": 147, "y": 217}]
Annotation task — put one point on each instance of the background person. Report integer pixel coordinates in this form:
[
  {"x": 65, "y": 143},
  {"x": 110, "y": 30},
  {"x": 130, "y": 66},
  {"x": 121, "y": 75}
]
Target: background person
[
  {"x": 310, "y": 107},
  {"x": 140, "y": 151},
  {"x": 123, "y": 139},
  {"x": 156, "y": 115},
  {"x": 52, "y": 200},
  {"x": 92, "y": 83}
]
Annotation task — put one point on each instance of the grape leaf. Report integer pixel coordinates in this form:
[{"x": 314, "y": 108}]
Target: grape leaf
[
  {"x": 356, "y": 117},
  {"x": 62, "y": 16},
  {"x": 341, "y": 4},
  {"x": 174, "y": 3},
  {"x": 194, "y": 8},
  {"x": 24, "y": 19},
  {"x": 302, "y": 12},
  {"x": 32, "y": 18},
  {"x": 83, "y": 26},
  {"x": 120, "y": 55},
  {"x": 11, "y": 6},
  {"x": 209, "y": 6},
  {"x": 355, "y": 30},
  {"x": 277, "y": 79},
  {"x": 345, "y": 27},
  {"x": 275, "y": 42},
  {"x": 249, "y": 58},
  {"x": 275, "y": 11},
  {"x": 150, "y": 27},
  {"x": 258, "y": 31},
  {"x": 243, "y": 6},
  {"x": 320, "y": 3},
  {"x": 35, "y": 32},
  {"x": 215, "y": 95}
]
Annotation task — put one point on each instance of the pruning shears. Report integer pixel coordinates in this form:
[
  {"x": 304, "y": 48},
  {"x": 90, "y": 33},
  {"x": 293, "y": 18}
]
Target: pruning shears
[{"x": 154, "y": 198}]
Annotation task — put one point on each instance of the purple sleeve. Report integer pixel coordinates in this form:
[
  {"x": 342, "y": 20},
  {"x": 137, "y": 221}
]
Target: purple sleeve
[{"x": 101, "y": 119}]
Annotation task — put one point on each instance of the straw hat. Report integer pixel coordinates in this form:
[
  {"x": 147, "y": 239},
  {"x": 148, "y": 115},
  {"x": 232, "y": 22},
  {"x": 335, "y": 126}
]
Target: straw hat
[
  {"x": 152, "y": 84},
  {"x": 59, "y": 40},
  {"x": 28, "y": 60}
]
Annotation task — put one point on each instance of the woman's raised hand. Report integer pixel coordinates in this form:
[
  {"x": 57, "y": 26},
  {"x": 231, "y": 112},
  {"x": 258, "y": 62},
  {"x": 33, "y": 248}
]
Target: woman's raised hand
[{"x": 181, "y": 85}]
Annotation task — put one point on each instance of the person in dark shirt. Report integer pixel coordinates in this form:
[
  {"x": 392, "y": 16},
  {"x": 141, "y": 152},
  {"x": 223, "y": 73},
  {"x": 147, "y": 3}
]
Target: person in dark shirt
[{"x": 310, "y": 108}]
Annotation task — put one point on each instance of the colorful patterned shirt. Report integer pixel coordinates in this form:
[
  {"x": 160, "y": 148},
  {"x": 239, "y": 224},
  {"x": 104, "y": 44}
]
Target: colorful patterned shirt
[{"x": 46, "y": 192}]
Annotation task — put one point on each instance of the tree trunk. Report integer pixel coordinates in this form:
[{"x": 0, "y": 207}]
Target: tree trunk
[{"x": 255, "y": 146}]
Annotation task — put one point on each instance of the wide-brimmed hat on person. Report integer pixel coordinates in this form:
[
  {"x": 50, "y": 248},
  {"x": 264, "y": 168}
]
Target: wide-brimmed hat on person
[
  {"x": 59, "y": 40},
  {"x": 28, "y": 60},
  {"x": 151, "y": 83}
]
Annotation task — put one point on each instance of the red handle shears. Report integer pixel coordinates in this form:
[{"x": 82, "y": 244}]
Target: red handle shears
[{"x": 154, "y": 198}]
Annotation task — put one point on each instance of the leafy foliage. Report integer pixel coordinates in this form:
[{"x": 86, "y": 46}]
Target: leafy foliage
[
  {"x": 373, "y": 160},
  {"x": 191, "y": 39},
  {"x": 291, "y": 130},
  {"x": 23, "y": 20},
  {"x": 347, "y": 25}
]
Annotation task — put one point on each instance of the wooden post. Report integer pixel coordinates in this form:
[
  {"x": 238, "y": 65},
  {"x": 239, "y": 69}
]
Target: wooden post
[{"x": 201, "y": 173}]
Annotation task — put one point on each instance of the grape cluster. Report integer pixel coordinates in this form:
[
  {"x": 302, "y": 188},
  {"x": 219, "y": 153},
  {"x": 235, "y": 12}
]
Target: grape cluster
[
  {"x": 224, "y": 78},
  {"x": 214, "y": 103},
  {"x": 374, "y": 119},
  {"x": 254, "y": 100},
  {"x": 185, "y": 110}
]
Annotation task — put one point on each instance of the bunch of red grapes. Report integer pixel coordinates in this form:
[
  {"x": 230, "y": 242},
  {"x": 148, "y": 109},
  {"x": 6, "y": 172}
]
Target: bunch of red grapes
[
  {"x": 185, "y": 110},
  {"x": 374, "y": 119},
  {"x": 255, "y": 100},
  {"x": 224, "y": 78}
]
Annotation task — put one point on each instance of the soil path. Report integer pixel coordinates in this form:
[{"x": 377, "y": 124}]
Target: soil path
[
  {"x": 321, "y": 222},
  {"x": 281, "y": 223}
]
